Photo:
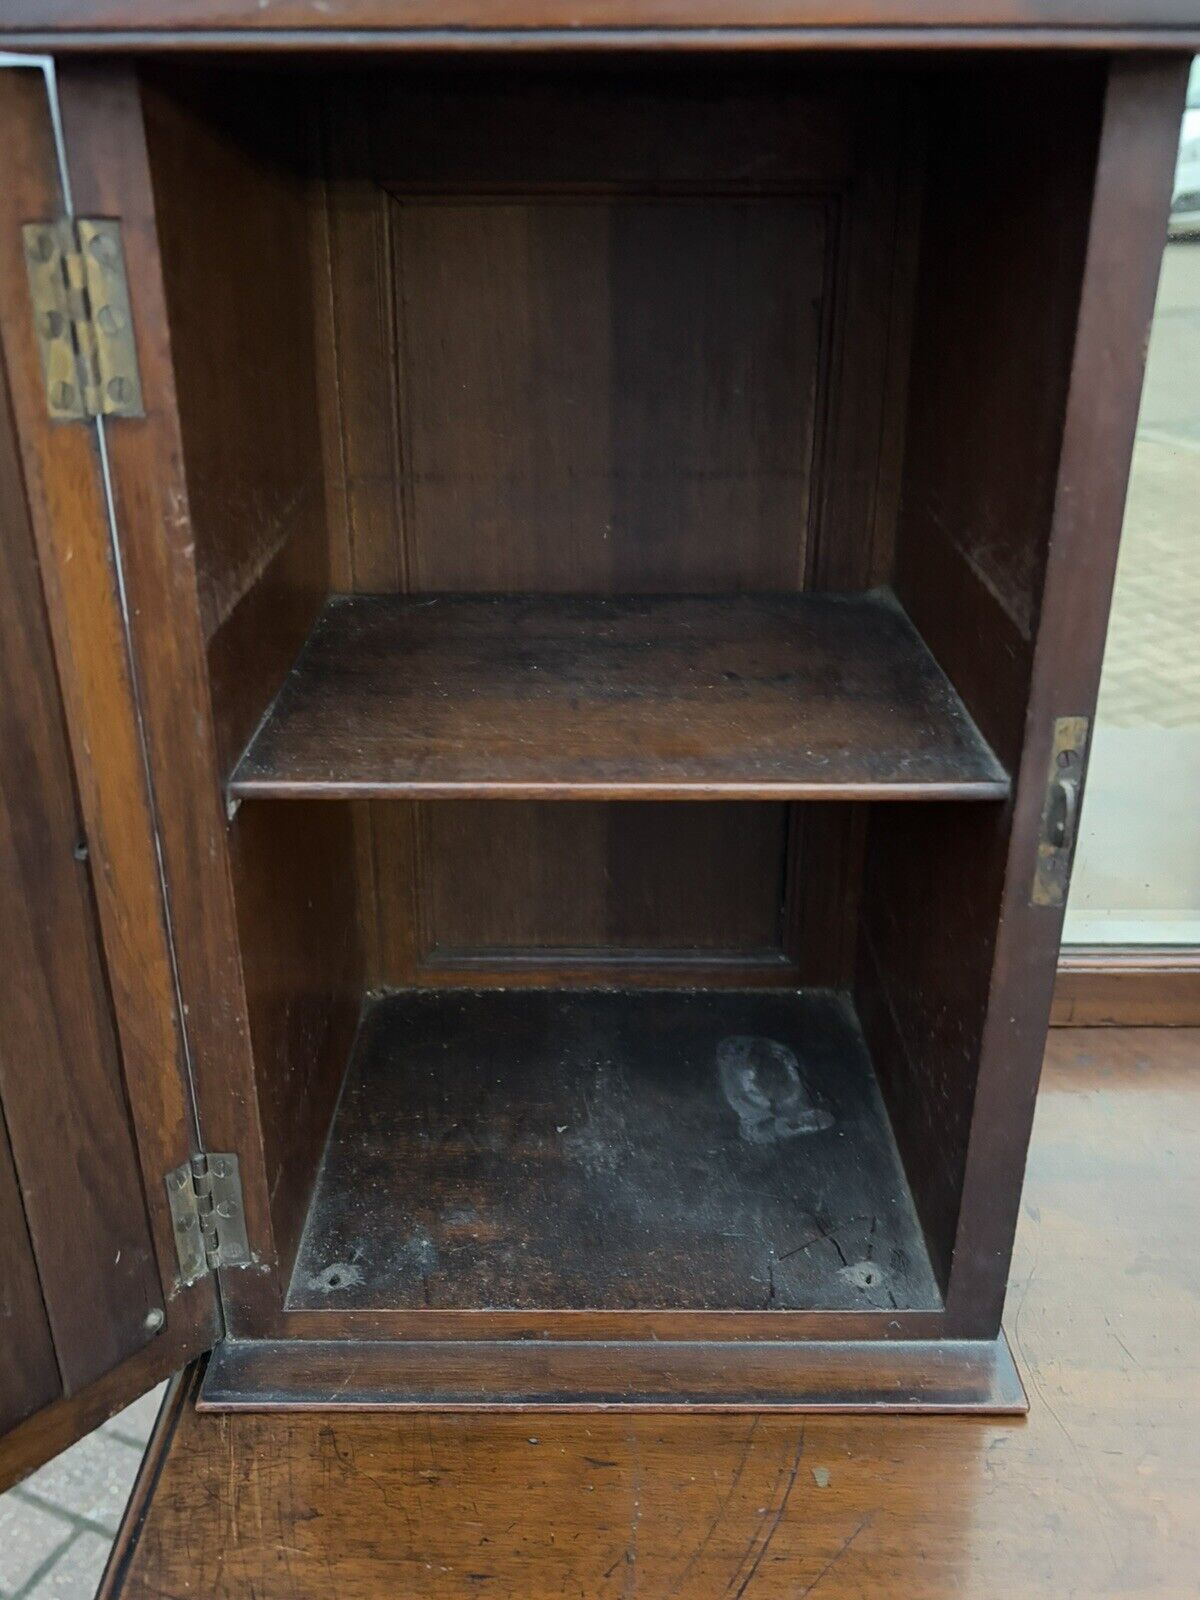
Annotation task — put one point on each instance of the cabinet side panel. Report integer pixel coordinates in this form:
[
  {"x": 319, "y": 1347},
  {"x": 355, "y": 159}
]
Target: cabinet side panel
[
  {"x": 1005, "y": 216},
  {"x": 1143, "y": 106},
  {"x": 233, "y": 205}
]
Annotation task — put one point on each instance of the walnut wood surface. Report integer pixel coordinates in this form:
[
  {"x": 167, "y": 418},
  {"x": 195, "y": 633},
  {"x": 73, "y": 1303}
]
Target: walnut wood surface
[
  {"x": 106, "y": 137},
  {"x": 957, "y": 965},
  {"x": 61, "y": 1089},
  {"x": 29, "y": 1375},
  {"x": 64, "y": 489},
  {"x": 1042, "y": 21},
  {"x": 707, "y": 697},
  {"x": 1096, "y": 1491},
  {"x": 533, "y": 1375}
]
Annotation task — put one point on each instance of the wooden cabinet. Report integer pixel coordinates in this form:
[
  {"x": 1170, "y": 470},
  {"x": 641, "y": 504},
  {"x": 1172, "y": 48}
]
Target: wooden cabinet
[{"x": 547, "y": 690}]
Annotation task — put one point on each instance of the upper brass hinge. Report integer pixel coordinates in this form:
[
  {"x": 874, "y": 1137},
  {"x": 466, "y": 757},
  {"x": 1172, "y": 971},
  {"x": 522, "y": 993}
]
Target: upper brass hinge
[
  {"x": 205, "y": 1195},
  {"x": 83, "y": 319}
]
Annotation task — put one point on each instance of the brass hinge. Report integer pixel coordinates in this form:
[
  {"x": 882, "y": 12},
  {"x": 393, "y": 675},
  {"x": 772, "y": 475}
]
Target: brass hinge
[
  {"x": 83, "y": 319},
  {"x": 1060, "y": 812},
  {"x": 206, "y": 1212}
]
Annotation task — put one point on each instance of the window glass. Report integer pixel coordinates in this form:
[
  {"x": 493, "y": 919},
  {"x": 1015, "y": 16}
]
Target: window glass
[{"x": 1137, "y": 874}]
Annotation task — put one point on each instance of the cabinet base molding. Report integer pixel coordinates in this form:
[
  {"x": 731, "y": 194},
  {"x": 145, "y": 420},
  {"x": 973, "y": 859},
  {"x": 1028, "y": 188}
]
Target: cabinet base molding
[{"x": 844, "y": 1375}]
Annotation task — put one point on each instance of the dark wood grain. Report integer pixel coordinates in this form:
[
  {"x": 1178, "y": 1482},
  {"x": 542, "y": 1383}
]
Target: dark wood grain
[
  {"x": 701, "y": 698},
  {"x": 29, "y": 1377},
  {"x": 64, "y": 490},
  {"x": 912, "y": 1376},
  {"x": 61, "y": 1084},
  {"x": 1044, "y": 21},
  {"x": 558, "y": 431},
  {"x": 955, "y": 965},
  {"x": 106, "y": 135},
  {"x": 531, "y": 1150},
  {"x": 54, "y": 1427},
  {"x": 1138, "y": 139},
  {"x": 1095, "y": 1490},
  {"x": 231, "y": 207},
  {"x": 600, "y": 884}
]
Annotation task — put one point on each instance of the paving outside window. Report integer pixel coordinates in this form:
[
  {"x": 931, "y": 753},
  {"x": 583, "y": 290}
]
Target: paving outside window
[{"x": 57, "y": 1527}]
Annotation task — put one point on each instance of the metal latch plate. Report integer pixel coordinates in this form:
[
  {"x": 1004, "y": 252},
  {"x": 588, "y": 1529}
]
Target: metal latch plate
[
  {"x": 1060, "y": 812},
  {"x": 205, "y": 1196}
]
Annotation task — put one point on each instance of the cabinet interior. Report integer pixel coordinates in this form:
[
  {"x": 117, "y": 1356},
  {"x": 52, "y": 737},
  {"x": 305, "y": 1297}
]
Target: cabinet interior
[{"x": 621, "y": 496}]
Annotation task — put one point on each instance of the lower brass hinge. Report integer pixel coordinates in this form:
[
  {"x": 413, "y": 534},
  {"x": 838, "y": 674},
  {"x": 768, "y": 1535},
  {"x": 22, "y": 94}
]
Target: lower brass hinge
[
  {"x": 207, "y": 1214},
  {"x": 82, "y": 318}
]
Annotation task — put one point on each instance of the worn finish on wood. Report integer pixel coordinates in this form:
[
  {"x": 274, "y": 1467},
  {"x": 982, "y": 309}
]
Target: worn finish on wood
[
  {"x": 52, "y": 1429},
  {"x": 702, "y": 698},
  {"x": 909, "y": 1376},
  {"x": 66, "y": 506},
  {"x": 29, "y": 1377},
  {"x": 105, "y": 134},
  {"x": 608, "y": 1150},
  {"x": 180, "y": 22},
  {"x": 1096, "y": 1490},
  {"x": 65, "y": 494},
  {"x": 1127, "y": 986},
  {"x": 61, "y": 1085}
]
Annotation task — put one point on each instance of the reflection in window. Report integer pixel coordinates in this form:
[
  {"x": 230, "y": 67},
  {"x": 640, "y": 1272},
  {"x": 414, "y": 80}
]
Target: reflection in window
[{"x": 1137, "y": 875}]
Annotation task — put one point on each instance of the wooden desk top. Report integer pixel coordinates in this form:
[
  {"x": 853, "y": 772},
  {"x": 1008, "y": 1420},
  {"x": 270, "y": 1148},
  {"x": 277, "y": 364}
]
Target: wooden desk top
[
  {"x": 1097, "y": 1493},
  {"x": 453, "y": 24}
]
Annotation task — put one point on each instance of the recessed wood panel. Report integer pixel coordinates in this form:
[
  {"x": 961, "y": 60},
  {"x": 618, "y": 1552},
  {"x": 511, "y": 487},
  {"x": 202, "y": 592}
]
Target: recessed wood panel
[
  {"x": 579, "y": 880},
  {"x": 607, "y": 394}
]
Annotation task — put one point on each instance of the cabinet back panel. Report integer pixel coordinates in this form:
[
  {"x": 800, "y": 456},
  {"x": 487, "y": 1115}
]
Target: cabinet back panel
[
  {"x": 605, "y": 395},
  {"x": 593, "y": 333}
]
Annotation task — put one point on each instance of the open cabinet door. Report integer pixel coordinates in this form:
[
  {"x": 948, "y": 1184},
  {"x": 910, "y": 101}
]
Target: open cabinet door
[{"x": 94, "y": 1089}]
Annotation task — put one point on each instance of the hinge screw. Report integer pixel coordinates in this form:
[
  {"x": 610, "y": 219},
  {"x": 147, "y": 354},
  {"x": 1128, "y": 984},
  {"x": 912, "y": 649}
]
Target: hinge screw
[
  {"x": 154, "y": 1320},
  {"x": 63, "y": 396},
  {"x": 41, "y": 247},
  {"x": 103, "y": 250}
]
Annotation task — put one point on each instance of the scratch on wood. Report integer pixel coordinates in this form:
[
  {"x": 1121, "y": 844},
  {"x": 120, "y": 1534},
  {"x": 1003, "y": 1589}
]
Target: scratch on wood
[
  {"x": 776, "y": 1519},
  {"x": 836, "y": 1557}
]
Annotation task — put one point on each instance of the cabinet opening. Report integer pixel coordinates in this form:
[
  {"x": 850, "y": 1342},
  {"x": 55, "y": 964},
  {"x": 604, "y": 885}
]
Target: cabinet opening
[{"x": 621, "y": 499}]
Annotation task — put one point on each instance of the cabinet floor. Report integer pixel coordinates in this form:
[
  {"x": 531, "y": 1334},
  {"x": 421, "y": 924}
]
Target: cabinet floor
[{"x": 611, "y": 1149}]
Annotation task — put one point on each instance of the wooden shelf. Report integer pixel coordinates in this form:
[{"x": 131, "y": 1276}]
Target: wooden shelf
[
  {"x": 561, "y": 697},
  {"x": 531, "y": 1149}
]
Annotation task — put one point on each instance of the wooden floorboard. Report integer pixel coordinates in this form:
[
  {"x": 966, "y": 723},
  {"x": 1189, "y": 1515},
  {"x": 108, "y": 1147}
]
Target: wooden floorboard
[{"x": 1095, "y": 1494}]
